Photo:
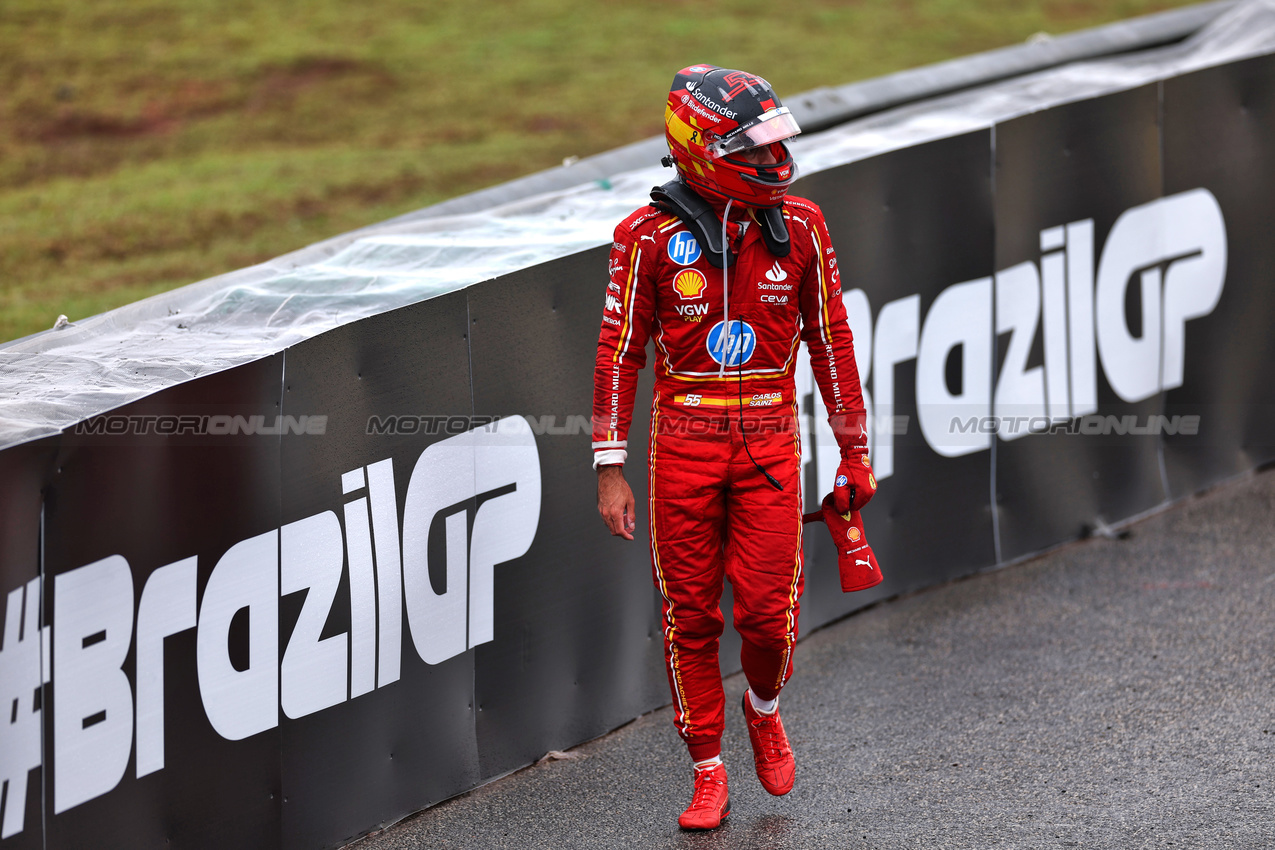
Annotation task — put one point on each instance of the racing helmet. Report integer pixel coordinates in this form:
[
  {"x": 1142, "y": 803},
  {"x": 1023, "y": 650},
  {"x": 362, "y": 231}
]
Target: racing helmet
[{"x": 714, "y": 113}]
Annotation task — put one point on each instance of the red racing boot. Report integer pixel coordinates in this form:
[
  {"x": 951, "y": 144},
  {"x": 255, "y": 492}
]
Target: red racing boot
[
  {"x": 711, "y": 803},
  {"x": 776, "y": 767}
]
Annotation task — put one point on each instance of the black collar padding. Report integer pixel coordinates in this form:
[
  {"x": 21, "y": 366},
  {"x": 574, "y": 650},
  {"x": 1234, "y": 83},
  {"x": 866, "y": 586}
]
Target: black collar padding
[{"x": 676, "y": 198}]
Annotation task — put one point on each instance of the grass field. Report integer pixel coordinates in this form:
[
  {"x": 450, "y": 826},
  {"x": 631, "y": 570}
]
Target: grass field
[{"x": 146, "y": 144}]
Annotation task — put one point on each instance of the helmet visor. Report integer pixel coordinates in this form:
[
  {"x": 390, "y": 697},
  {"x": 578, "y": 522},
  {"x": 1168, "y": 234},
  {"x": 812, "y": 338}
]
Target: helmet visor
[{"x": 774, "y": 125}]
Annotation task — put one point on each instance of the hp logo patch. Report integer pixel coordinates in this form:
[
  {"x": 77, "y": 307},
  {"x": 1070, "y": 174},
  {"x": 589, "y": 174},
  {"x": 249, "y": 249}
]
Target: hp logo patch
[
  {"x": 683, "y": 249},
  {"x": 734, "y": 347},
  {"x": 842, "y": 481}
]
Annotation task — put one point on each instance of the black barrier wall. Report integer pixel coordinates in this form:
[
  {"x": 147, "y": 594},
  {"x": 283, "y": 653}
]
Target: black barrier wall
[
  {"x": 353, "y": 756},
  {"x": 1063, "y": 177},
  {"x": 1219, "y": 132},
  {"x": 25, "y": 472},
  {"x": 161, "y": 577},
  {"x": 294, "y": 601},
  {"x": 908, "y": 225}
]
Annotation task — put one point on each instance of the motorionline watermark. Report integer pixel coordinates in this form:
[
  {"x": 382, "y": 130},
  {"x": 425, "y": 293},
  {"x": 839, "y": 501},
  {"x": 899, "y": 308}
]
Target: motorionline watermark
[
  {"x": 232, "y": 425},
  {"x": 557, "y": 425},
  {"x": 450, "y": 424},
  {"x": 1091, "y": 425},
  {"x": 201, "y": 425}
]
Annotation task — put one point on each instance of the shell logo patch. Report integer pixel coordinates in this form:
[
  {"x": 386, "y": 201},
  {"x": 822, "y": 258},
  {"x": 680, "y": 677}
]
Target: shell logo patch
[
  {"x": 864, "y": 460},
  {"x": 854, "y": 535},
  {"x": 690, "y": 284}
]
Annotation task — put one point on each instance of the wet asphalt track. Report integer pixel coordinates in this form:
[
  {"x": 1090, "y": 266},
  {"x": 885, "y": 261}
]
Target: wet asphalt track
[{"x": 1112, "y": 694}]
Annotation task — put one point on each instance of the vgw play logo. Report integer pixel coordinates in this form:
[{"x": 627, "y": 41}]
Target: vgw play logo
[
  {"x": 1173, "y": 250},
  {"x": 477, "y": 494}
]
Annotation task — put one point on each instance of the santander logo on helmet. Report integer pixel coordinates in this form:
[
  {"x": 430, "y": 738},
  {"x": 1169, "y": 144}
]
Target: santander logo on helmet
[{"x": 715, "y": 113}]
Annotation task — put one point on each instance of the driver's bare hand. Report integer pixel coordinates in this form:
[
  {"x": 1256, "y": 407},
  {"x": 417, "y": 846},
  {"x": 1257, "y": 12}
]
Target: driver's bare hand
[{"x": 615, "y": 501}]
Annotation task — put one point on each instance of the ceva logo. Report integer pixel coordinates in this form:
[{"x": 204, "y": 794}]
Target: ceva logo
[
  {"x": 1174, "y": 250},
  {"x": 478, "y": 491}
]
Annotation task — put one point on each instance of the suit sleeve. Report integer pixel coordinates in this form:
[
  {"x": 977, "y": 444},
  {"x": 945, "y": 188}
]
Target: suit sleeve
[
  {"x": 826, "y": 332},
  {"x": 627, "y": 316}
]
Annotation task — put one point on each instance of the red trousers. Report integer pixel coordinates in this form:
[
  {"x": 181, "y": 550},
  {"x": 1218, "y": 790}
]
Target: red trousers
[{"x": 713, "y": 514}]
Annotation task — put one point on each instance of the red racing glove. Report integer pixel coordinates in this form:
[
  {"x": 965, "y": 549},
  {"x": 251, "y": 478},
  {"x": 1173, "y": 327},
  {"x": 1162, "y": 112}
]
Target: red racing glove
[
  {"x": 856, "y": 562},
  {"x": 855, "y": 484}
]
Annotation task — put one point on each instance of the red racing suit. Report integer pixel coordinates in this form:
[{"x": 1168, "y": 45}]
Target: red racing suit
[{"x": 712, "y": 512}]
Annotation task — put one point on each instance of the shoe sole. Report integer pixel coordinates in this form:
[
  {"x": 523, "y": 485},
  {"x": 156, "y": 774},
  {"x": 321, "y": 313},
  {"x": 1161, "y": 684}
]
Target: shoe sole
[
  {"x": 721, "y": 821},
  {"x": 783, "y": 793}
]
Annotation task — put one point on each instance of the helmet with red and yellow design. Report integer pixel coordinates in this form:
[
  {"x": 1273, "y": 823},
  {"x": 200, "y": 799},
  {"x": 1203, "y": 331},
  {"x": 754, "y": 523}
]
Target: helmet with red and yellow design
[{"x": 713, "y": 115}]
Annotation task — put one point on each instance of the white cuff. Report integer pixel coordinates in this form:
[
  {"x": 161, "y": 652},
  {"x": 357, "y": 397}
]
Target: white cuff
[{"x": 609, "y": 457}]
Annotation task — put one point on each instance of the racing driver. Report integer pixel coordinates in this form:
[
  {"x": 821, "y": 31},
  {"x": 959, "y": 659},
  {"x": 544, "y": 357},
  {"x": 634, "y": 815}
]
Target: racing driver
[{"x": 727, "y": 274}]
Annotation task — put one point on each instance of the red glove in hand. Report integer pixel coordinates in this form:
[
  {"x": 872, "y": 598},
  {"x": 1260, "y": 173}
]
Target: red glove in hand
[
  {"x": 855, "y": 484},
  {"x": 855, "y": 560}
]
